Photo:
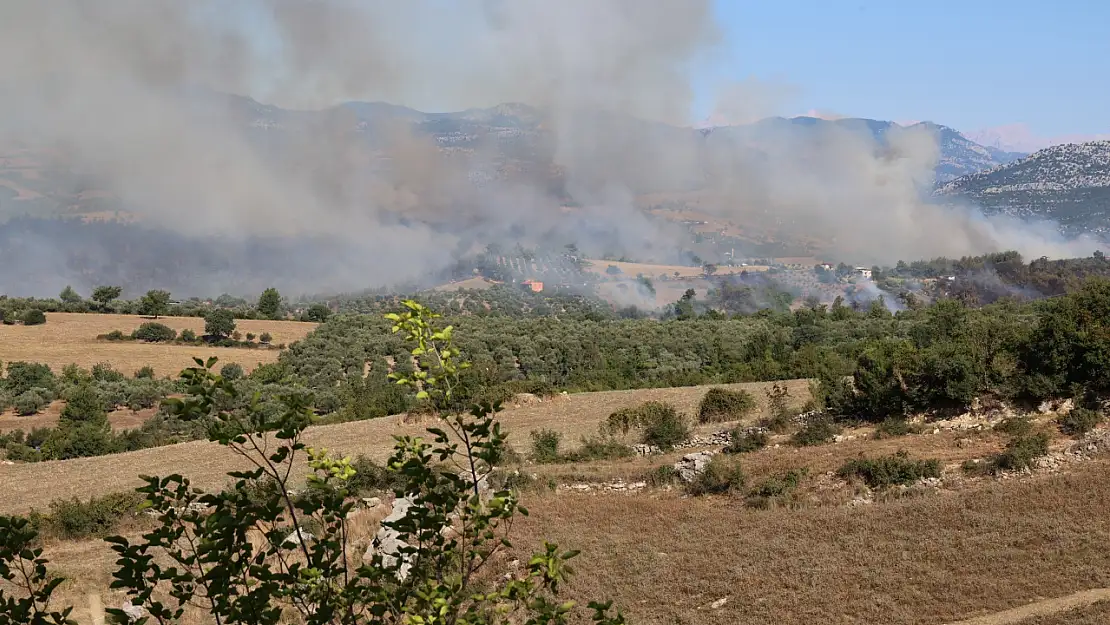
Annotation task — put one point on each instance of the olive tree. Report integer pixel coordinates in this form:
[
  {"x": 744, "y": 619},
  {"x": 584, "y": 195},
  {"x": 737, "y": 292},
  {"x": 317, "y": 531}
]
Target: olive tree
[{"x": 156, "y": 303}]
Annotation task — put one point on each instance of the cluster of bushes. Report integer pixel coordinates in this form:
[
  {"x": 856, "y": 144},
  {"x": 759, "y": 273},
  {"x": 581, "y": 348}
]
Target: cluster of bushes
[
  {"x": 156, "y": 303},
  {"x": 220, "y": 332},
  {"x": 721, "y": 404},
  {"x": 83, "y": 428},
  {"x": 98, "y": 517},
  {"x": 724, "y": 476},
  {"x": 547, "y": 448},
  {"x": 895, "y": 470},
  {"x": 658, "y": 424},
  {"x": 28, "y": 317},
  {"x": 30, "y": 387}
]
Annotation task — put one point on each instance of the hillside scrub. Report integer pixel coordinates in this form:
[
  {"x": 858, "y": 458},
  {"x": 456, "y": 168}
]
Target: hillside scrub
[
  {"x": 658, "y": 423},
  {"x": 743, "y": 441},
  {"x": 816, "y": 431},
  {"x": 721, "y": 404},
  {"x": 722, "y": 476},
  {"x": 1079, "y": 421},
  {"x": 896, "y": 470},
  {"x": 1021, "y": 452}
]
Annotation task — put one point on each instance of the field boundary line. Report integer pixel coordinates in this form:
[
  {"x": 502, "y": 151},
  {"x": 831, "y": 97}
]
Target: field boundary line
[{"x": 1046, "y": 607}]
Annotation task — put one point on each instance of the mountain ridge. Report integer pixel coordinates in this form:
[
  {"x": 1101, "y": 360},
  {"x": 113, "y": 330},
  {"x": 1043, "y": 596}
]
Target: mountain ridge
[{"x": 1068, "y": 183}]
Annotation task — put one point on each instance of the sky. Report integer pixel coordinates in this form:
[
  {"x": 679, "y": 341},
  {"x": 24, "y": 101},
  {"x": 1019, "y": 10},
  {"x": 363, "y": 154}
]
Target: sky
[{"x": 969, "y": 64}]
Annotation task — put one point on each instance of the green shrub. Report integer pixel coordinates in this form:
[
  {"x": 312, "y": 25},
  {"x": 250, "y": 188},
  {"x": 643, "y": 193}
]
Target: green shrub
[
  {"x": 231, "y": 371},
  {"x": 250, "y": 336},
  {"x": 26, "y": 376},
  {"x": 154, "y": 332},
  {"x": 1080, "y": 421},
  {"x": 97, "y": 517},
  {"x": 662, "y": 426},
  {"x": 545, "y": 446},
  {"x": 326, "y": 402},
  {"x": 34, "y": 317},
  {"x": 896, "y": 426},
  {"x": 144, "y": 394},
  {"x": 817, "y": 431},
  {"x": 84, "y": 403},
  {"x": 599, "y": 448},
  {"x": 1021, "y": 451},
  {"x": 898, "y": 469},
  {"x": 775, "y": 488},
  {"x": 721, "y": 404},
  {"x": 265, "y": 338},
  {"x": 103, "y": 372},
  {"x": 29, "y": 403},
  {"x": 115, "y": 335},
  {"x": 658, "y": 422},
  {"x": 371, "y": 477},
  {"x": 721, "y": 476},
  {"x": 743, "y": 441},
  {"x": 1015, "y": 426},
  {"x": 6, "y": 400},
  {"x": 188, "y": 336},
  {"x": 622, "y": 421},
  {"x": 145, "y": 373},
  {"x": 663, "y": 475},
  {"x": 114, "y": 394}
]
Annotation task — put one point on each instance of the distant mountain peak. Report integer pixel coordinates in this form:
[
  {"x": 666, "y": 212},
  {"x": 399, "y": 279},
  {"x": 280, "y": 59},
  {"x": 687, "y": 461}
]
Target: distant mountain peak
[{"x": 1021, "y": 138}]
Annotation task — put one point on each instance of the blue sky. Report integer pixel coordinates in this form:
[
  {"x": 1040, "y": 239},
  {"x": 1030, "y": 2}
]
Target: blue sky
[{"x": 967, "y": 64}]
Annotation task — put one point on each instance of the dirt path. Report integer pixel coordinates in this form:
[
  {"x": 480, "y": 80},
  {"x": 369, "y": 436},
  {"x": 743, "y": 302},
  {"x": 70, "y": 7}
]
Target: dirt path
[{"x": 1015, "y": 616}]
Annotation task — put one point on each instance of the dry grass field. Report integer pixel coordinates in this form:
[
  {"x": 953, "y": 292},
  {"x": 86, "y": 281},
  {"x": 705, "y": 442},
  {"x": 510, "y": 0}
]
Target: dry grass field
[
  {"x": 71, "y": 338},
  {"x": 976, "y": 552},
  {"x": 925, "y": 560},
  {"x": 207, "y": 463}
]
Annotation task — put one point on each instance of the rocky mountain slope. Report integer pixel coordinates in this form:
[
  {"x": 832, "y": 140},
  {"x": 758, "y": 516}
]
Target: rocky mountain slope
[{"x": 1067, "y": 183}]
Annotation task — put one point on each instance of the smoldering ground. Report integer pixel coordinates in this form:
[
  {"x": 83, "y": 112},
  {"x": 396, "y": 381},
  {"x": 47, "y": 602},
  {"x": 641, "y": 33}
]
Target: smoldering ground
[{"x": 319, "y": 195}]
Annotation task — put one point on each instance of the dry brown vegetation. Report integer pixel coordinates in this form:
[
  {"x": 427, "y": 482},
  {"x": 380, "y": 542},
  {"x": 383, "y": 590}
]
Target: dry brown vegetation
[
  {"x": 71, "y": 338},
  {"x": 929, "y": 559}
]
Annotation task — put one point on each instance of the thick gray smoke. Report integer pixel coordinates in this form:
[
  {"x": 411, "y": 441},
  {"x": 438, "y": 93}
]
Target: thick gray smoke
[
  {"x": 105, "y": 87},
  {"x": 122, "y": 95}
]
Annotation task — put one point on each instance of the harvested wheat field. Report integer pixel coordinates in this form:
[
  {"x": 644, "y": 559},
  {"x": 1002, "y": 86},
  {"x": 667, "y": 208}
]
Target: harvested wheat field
[
  {"x": 207, "y": 463},
  {"x": 71, "y": 338},
  {"x": 939, "y": 558},
  {"x": 932, "y": 559}
]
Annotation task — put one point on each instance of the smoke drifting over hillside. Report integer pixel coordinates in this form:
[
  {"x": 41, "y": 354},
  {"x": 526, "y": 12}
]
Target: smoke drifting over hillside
[{"x": 122, "y": 93}]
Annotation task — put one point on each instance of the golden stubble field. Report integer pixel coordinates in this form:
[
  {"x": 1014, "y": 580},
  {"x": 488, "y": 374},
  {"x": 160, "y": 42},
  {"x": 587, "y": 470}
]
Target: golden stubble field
[{"x": 71, "y": 338}]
